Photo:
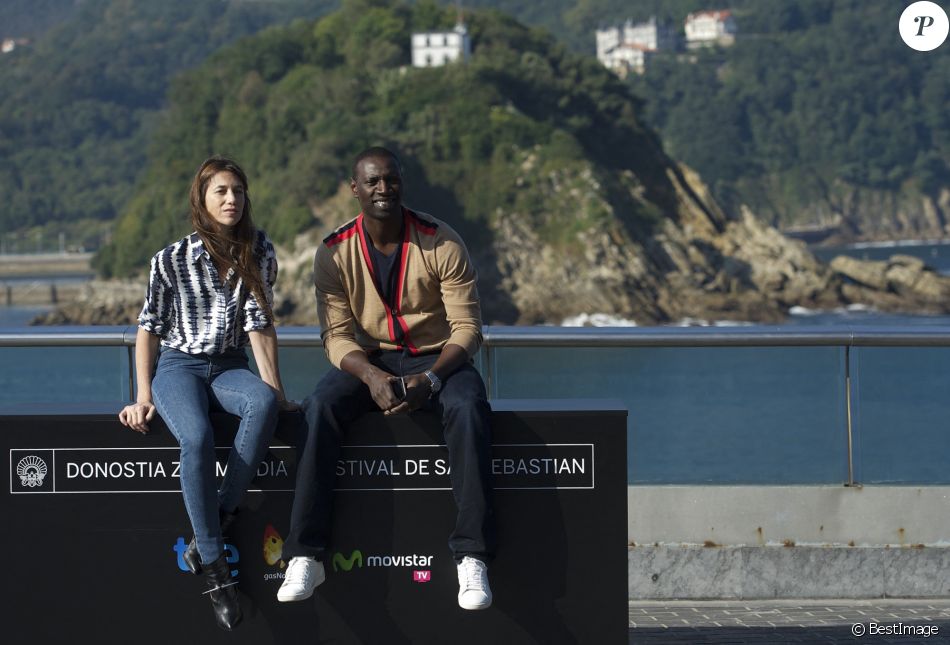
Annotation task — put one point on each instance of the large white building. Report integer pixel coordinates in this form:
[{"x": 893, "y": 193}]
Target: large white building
[
  {"x": 436, "y": 48},
  {"x": 628, "y": 47},
  {"x": 708, "y": 28}
]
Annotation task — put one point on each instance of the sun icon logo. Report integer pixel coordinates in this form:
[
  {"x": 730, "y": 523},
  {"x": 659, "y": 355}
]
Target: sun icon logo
[
  {"x": 32, "y": 471},
  {"x": 273, "y": 545}
]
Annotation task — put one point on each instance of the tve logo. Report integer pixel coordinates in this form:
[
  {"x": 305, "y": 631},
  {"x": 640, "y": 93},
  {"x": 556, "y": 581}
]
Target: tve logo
[{"x": 230, "y": 551}]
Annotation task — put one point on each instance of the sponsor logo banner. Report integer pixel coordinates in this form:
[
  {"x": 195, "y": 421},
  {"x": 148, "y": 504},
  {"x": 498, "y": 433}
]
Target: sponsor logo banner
[
  {"x": 380, "y": 467},
  {"x": 120, "y": 470},
  {"x": 355, "y": 560}
]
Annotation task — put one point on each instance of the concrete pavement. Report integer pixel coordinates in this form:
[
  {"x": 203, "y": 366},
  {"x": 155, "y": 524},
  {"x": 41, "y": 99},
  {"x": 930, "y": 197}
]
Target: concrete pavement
[{"x": 790, "y": 621}]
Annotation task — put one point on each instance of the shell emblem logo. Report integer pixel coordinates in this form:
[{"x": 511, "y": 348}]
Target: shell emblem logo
[{"x": 32, "y": 471}]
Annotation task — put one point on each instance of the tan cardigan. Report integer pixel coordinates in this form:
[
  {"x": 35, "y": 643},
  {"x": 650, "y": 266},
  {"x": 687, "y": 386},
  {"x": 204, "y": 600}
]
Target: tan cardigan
[{"x": 437, "y": 302}]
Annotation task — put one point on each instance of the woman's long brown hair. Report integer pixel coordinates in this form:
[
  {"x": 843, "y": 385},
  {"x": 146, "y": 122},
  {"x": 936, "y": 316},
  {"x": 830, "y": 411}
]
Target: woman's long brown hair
[{"x": 230, "y": 248}]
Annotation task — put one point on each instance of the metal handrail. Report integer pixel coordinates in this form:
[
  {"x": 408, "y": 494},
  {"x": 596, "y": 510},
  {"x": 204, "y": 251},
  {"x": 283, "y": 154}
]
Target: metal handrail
[
  {"x": 505, "y": 336},
  {"x": 91, "y": 336}
]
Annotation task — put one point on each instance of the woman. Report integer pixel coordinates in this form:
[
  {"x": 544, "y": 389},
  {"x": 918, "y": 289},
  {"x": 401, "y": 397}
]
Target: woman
[{"x": 208, "y": 295}]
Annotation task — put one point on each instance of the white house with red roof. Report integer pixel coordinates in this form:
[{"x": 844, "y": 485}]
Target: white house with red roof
[{"x": 708, "y": 28}]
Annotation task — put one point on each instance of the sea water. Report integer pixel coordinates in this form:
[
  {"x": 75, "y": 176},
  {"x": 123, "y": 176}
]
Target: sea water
[{"x": 717, "y": 415}]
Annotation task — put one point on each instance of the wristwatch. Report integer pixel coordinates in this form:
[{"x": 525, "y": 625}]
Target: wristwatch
[{"x": 434, "y": 381}]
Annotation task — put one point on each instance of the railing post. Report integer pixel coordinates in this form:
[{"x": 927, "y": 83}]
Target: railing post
[
  {"x": 847, "y": 399},
  {"x": 489, "y": 369},
  {"x": 130, "y": 349}
]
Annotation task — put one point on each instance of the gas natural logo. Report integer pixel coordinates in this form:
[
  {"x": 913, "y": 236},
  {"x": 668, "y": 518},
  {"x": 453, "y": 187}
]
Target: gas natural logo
[
  {"x": 273, "y": 551},
  {"x": 273, "y": 547}
]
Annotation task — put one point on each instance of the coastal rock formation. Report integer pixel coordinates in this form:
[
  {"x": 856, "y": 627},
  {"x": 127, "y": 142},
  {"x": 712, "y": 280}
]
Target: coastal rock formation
[
  {"x": 99, "y": 302},
  {"x": 851, "y": 214},
  {"x": 896, "y": 284},
  {"x": 695, "y": 262}
]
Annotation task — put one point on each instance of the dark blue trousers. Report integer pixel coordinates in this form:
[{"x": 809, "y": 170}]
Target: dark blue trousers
[{"x": 341, "y": 398}]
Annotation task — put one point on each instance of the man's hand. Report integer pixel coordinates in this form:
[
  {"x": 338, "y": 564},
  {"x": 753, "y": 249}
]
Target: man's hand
[
  {"x": 137, "y": 416},
  {"x": 418, "y": 389},
  {"x": 380, "y": 386}
]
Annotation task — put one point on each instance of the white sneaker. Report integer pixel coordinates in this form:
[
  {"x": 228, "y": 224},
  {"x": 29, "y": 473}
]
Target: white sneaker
[
  {"x": 303, "y": 575},
  {"x": 474, "y": 592}
]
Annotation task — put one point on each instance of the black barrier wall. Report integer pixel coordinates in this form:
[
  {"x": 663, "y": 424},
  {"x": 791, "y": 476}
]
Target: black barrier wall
[{"x": 95, "y": 529}]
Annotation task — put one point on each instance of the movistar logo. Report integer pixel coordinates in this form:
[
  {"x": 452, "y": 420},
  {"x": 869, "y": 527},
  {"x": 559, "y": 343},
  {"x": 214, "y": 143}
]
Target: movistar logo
[
  {"x": 339, "y": 562},
  {"x": 408, "y": 560}
]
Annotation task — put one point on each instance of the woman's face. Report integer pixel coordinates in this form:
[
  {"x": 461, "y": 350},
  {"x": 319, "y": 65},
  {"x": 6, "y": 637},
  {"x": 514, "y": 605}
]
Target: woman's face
[{"x": 224, "y": 198}]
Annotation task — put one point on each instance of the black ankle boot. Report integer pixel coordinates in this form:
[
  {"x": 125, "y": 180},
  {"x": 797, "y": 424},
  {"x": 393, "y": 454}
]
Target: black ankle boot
[
  {"x": 222, "y": 589},
  {"x": 191, "y": 557}
]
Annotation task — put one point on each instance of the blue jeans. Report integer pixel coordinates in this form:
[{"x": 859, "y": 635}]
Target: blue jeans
[{"x": 185, "y": 388}]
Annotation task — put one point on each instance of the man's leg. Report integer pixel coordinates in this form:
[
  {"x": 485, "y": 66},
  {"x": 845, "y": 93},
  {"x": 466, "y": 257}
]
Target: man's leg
[
  {"x": 338, "y": 400},
  {"x": 466, "y": 418}
]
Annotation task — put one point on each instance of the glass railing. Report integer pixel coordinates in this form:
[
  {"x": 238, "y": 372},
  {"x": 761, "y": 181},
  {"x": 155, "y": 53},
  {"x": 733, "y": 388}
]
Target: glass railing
[
  {"x": 66, "y": 364},
  {"x": 901, "y": 407},
  {"x": 749, "y": 405}
]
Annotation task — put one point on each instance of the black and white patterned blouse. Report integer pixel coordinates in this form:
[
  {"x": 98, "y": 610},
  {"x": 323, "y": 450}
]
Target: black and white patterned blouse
[{"x": 192, "y": 309}]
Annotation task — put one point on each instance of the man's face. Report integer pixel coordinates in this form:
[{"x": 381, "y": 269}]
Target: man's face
[{"x": 378, "y": 187}]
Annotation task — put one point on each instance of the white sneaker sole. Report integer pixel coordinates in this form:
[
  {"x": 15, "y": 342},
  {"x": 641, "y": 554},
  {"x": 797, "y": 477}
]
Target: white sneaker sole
[
  {"x": 475, "y": 607},
  {"x": 294, "y": 597}
]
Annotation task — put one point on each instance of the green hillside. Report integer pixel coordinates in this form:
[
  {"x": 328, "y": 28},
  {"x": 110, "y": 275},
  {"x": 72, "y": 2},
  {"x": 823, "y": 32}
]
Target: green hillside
[
  {"x": 77, "y": 106},
  {"x": 31, "y": 18},
  {"x": 808, "y": 103},
  {"x": 295, "y": 104},
  {"x": 817, "y": 101}
]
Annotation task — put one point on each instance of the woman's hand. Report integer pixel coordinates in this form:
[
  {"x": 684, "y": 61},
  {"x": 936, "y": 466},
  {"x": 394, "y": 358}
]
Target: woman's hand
[
  {"x": 286, "y": 405},
  {"x": 137, "y": 416}
]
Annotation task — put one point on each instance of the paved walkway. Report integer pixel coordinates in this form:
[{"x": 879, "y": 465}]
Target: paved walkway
[{"x": 923, "y": 622}]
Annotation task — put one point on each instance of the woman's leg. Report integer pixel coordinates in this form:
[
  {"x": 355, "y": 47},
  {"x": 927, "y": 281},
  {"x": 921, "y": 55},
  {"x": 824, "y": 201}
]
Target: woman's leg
[
  {"x": 240, "y": 392},
  {"x": 180, "y": 395}
]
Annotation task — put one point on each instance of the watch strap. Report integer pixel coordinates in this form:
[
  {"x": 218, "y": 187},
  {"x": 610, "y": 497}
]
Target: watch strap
[{"x": 434, "y": 381}]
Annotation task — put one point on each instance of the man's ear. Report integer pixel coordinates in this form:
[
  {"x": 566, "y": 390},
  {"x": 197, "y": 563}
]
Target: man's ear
[{"x": 353, "y": 187}]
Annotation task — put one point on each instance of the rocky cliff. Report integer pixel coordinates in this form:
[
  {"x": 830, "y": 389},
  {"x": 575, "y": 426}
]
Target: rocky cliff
[
  {"x": 697, "y": 262},
  {"x": 851, "y": 214}
]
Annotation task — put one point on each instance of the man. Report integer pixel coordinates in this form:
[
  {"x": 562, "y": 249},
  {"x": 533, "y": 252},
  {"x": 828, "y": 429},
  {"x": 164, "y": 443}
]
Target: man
[{"x": 400, "y": 319}]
